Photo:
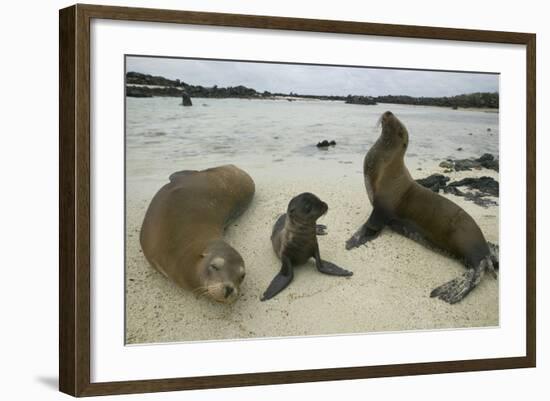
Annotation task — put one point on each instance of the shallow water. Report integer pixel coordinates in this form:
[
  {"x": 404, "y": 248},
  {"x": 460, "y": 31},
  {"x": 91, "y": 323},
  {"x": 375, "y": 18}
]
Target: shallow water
[{"x": 259, "y": 133}]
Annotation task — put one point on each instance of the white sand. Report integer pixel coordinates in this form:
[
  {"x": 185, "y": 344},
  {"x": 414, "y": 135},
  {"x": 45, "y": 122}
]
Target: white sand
[{"x": 389, "y": 290}]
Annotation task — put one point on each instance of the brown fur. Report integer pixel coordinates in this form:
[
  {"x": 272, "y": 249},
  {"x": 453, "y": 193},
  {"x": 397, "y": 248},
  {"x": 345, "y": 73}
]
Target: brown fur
[
  {"x": 401, "y": 203},
  {"x": 182, "y": 233}
]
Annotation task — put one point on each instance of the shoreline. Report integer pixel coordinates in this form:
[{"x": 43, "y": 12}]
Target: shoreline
[{"x": 298, "y": 98}]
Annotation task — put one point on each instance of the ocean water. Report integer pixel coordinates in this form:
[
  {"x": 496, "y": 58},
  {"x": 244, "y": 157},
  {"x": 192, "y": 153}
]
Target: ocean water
[{"x": 162, "y": 136}]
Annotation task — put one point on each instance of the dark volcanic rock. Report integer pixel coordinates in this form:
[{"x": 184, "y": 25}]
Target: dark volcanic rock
[
  {"x": 466, "y": 164},
  {"x": 453, "y": 191},
  {"x": 186, "y": 100},
  {"x": 486, "y": 185},
  {"x": 435, "y": 182},
  {"x": 483, "y": 186},
  {"x": 487, "y": 161},
  {"x": 325, "y": 144}
]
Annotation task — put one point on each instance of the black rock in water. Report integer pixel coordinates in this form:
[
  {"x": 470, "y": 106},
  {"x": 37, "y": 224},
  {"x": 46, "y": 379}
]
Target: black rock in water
[
  {"x": 325, "y": 144},
  {"x": 186, "y": 100}
]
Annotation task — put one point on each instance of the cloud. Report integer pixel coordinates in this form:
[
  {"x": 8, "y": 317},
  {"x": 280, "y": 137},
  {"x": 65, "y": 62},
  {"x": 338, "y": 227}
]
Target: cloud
[{"x": 315, "y": 79}]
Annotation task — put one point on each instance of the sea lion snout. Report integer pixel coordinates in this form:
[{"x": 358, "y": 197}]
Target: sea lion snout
[
  {"x": 393, "y": 131},
  {"x": 229, "y": 289},
  {"x": 388, "y": 118}
]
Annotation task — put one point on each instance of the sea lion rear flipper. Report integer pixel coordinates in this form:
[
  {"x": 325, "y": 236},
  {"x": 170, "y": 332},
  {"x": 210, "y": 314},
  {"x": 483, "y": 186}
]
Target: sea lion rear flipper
[
  {"x": 280, "y": 282},
  {"x": 179, "y": 174},
  {"x": 368, "y": 231},
  {"x": 456, "y": 289},
  {"x": 494, "y": 249}
]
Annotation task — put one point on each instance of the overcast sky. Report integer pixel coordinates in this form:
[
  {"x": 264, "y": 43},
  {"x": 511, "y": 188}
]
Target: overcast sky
[{"x": 315, "y": 80}]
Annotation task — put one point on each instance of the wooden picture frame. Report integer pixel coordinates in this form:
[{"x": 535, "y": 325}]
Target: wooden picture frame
[{"x": 74, "y": 199}]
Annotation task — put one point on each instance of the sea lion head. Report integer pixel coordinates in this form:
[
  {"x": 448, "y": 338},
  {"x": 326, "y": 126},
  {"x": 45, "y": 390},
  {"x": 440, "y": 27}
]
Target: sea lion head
[
  {"x": 221, "y": 272},
  {"x": 394, "y": 134},
  {"x": 306, "y": 208}
]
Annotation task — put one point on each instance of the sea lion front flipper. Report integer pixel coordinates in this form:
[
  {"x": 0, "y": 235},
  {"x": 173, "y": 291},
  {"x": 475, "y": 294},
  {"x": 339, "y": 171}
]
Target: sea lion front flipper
[
  {"x": 368, "y": 231},
  {"x": 456, "y": 289},
  {"x": 321, "y": 229},
  {"x": 281, "y": 280},
  {"x": 329, "y": 268},
  {"x": 333, "y": 270}
]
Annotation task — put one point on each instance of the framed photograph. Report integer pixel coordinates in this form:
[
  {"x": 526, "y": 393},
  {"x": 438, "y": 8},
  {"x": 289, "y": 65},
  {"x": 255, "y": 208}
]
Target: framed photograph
[{"x": 250, "y": 200}]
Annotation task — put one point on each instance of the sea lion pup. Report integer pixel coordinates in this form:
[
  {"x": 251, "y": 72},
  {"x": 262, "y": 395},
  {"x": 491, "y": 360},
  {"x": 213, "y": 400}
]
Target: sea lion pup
[
  {"x": 294, "y": 240},
  {"x": 182, "y": 233},
  {"x": 417, "y": 212}
]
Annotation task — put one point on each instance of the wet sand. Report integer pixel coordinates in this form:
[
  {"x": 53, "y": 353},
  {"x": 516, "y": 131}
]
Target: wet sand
[{"x": 389, "y": 290}]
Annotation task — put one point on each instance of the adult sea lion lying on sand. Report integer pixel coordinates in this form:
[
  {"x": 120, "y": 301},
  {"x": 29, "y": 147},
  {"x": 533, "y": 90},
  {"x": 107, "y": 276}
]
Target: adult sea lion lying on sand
[
  {"x": 412, "y": 210},
  {"x": 294, "y": 240},
  {"x": 182, "y": 233}
]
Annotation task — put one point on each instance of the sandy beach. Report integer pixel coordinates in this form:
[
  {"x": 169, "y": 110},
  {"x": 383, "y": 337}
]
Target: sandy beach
[{"x": 389, "y": 290}]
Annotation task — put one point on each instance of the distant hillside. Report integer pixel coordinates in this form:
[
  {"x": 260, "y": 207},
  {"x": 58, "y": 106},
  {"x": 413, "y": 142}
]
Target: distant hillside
[
  {"x": 160, "y": 86},
  {"x": 480, "y": 99},
  {"x": 145, "y": 85}
]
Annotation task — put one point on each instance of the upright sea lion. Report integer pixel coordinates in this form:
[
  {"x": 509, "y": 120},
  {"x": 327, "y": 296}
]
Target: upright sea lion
[
  {"x": 182, "y": 233},
  {"x": 417, "y": 212},
  {"x": 294, "y": 240}
]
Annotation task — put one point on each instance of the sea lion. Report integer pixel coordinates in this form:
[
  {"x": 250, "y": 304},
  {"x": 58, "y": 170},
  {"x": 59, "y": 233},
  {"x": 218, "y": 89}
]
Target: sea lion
[
  {"x": 294, "y": 240},
  {"x": 417, "y": 212},
  {"x": 182, "y": 233}
]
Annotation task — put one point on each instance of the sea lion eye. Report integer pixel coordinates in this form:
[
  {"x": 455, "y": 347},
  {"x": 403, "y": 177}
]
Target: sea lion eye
[
  {"x": 242, "y": 277},
  {"x": 214, "y": 267}
]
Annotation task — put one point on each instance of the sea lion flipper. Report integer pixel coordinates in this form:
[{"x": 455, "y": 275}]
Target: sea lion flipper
[
  {"x": 280, "y": 282},
  {"x": 361, "y": 237},
  {"x": 456, "y": 289},
  {"x": 321, "y": 229},
  {"x": 178, "y": 174},
  {"x": 368, "y": 231},
  {"x": 333, "y": 270},
  {"x": 329, "y": 268}
]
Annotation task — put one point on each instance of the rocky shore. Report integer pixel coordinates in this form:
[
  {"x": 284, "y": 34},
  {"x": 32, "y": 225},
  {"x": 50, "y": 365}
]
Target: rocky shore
[
  {"x": 145, "y": 85},
  {"x": 487, "y": 161},
  {"x": 481, "y": 189}
]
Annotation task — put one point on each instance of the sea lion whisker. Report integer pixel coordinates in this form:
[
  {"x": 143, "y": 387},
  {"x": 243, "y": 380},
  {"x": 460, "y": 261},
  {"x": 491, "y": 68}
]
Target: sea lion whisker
[{"x": 198, "y": 289}]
